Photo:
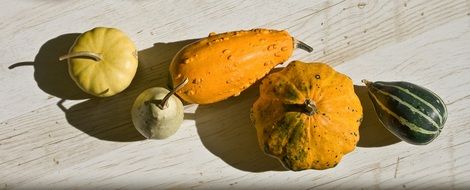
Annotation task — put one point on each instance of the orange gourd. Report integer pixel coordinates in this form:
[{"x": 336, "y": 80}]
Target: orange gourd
[
  {"x": 307, "y": 116},
  {"x": 223, "y": 65}
]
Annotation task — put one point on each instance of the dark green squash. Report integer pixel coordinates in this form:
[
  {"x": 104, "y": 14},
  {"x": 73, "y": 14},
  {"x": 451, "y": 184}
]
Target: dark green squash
[{"x": 412, "y": 113}]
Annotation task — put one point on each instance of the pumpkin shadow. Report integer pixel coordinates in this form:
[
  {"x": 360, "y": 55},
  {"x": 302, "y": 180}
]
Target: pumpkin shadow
[
  {"x": 110, "y": 118},
  {"x": 372, "y": 132},
  {"x": 225, "y": 130},
  {"x": 50, "y": 74}
]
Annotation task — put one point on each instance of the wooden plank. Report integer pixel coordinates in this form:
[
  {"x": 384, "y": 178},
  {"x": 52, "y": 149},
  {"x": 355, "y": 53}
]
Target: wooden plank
[{"x": 58, "y": 144}]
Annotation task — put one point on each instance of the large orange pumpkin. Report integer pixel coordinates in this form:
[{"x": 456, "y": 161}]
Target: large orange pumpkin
[{"x": 307, "y": 116}]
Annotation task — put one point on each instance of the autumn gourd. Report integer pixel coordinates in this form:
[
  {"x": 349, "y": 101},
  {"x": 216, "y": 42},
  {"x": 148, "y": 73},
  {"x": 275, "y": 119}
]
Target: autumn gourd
[
  {"x": 157, "y": 113},
  {"x": 223, "y": 65},
  {"x": 411, "y": 112},
  {"x": 307, "y": 116},
  {"x": 102, "y": 61}
]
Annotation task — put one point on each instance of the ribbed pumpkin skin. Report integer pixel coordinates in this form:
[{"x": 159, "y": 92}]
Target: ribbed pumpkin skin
[
  {"x": 223, "y": 65},
  {"x": 413, "y": 113},
  {"x": 299, "y": 140},
  {"x": 114, "y": 72}
]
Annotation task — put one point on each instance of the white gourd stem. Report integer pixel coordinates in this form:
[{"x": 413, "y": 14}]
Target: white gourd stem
[
  {"x": 95, "y": 56},
  {"x": 163, "y": 103}
]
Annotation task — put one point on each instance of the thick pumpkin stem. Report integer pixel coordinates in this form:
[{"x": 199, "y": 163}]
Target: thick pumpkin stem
[
  {"x": 95, "y": 56},
  {"x": 310, "y": 107},
  {"x": 301, "y": 45},
  {"x": 164, "y": 103}
]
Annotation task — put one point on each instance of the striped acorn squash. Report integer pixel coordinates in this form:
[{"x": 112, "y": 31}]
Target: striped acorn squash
[{"x": 412, "y": 113}]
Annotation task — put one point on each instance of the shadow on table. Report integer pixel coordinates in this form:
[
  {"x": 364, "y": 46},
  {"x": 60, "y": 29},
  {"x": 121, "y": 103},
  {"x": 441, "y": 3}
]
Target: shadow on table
[
  {"x": 110, "y": 118},
  {"x": 225, "y": 130},
  {"x": 104, "y": 118},
  {"x": 52, "y": 75},
  {"x": 372, "y": 133}
]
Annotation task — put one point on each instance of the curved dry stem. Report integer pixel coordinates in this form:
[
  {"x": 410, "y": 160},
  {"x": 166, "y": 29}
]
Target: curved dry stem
[
  {"x": 366, "y": 82},
  {"x": 301, "y": 45},
  {"x": 164, "y": 103},
  {"x": 95, "y": 56}
]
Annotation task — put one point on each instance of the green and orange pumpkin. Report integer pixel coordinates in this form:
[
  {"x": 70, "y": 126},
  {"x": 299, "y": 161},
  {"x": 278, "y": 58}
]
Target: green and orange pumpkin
[{"x": 307, "y": 116}]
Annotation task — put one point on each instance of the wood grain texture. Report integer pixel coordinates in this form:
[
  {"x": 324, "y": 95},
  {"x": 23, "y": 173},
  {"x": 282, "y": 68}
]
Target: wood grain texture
[{"x": 53, "y": 135}]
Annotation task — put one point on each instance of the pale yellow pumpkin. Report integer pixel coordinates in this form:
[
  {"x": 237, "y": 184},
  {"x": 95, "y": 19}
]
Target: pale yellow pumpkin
[{"x": 102, "y": 61}]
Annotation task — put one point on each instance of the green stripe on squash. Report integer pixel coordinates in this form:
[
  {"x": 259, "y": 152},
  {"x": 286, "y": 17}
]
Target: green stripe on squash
[{"x": 412, "y": 113}]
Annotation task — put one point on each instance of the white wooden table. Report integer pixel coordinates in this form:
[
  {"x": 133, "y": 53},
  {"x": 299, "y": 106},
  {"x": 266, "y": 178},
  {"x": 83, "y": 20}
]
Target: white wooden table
[{"x": 54, "y": 136}]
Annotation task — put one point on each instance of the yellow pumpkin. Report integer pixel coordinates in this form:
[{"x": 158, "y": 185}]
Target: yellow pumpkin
[
  {"x": 102, "y": 61},
  {"x": 223, "y": 65},
  {"x": 307, "y": 116}
]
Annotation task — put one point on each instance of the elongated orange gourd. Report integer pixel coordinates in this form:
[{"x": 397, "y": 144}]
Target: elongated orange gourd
[{"x": 223, "y": 65}]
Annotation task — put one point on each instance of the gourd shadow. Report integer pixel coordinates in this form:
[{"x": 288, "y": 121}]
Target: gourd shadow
[
  {"x": 225, "y": 130},
  {"x": 50, "y": 74},
  {"x": 371, "y": 131},
  {"x": 110, "y": 118}
]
